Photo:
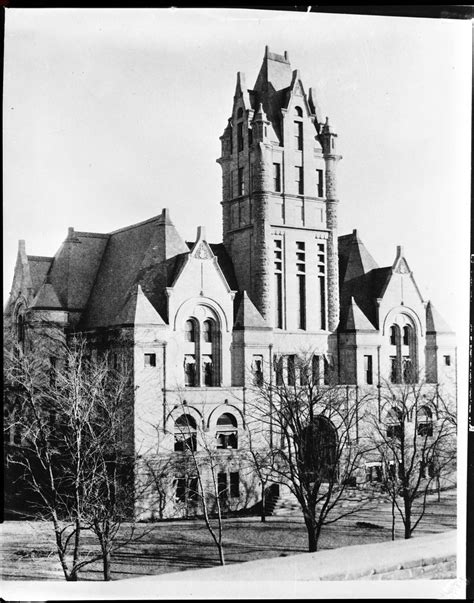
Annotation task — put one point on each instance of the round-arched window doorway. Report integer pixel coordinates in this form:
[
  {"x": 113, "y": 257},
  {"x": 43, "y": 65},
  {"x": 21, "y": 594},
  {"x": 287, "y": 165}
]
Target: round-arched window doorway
[{"x": 318, "y": 450}]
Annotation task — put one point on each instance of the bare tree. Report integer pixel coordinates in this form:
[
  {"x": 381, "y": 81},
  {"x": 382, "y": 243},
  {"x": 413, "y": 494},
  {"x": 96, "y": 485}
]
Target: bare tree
[
  {"x": 260, "y": 461},
  {"x": 313, "y": 430},
  {"x": 69, "y": 415},
  {"x": 414, "y": 436},
  {"x": 200, "y": 465}
]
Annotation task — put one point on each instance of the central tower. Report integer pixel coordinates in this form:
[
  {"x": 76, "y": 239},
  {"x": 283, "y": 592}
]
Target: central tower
[{"x": 279, "y": 201}]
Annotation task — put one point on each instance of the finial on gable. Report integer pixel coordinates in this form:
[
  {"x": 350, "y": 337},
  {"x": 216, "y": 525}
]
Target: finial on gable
[{"x": 201, "y": 233}]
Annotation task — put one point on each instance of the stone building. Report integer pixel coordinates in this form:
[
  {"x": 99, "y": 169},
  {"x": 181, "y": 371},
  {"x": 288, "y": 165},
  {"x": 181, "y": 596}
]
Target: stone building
[{"x": 198, "y": 322}]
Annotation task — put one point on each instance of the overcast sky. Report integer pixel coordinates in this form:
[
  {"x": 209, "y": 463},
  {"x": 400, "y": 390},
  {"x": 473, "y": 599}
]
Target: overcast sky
[{"x": 111, "y": 115}]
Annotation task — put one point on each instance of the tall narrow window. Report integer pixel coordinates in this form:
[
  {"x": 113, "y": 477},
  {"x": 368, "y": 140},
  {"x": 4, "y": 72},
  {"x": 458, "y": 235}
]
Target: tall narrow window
[
  {"x": 406, "y": 335},
  {"x": 190, "y": 330},
  {"x": 207, "y": 328},
  {"x": 207, "y": 370},
  {"x": 291, "y": 377},
  {"x": 320, "y": 183},
  {"x": 278, "y": 364},
  {"x": 301, "y": 276},
  {"x": 250, "y": 136},
  {"x": 257, "y": 367},
  {"x": 278, "y": 259},
  {"x": 315, "y": 366},
  {"x": 368, "y": 369},
  {"x": 298, "y": 129},
  {"x": 240, "y": 181},
  {"x": 327, "y": 374},
  {"x": 240, "y": 136},
  {"x": 322, "y": 284},
  {"x": 299, "y": 179},
  {"x": 277, "y": 177}
]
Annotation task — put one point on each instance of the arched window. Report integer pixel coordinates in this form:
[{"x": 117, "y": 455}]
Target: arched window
[
  {"x": 227, "y": 431},
  {"x": 394, "y": 334},
  {"x": 406, "y": 335},
  {"x": 207, "y": 330},
  {"x": 190, "y": 330},
  {"x": 394, "y": 423},
  {"x": 240, "y": 112},
  {"x": 424, "y": 418},
  {"x": 298, "y": 111},
  {"x": 185, "y": 430},
  {"x": 319, "y": 450}
]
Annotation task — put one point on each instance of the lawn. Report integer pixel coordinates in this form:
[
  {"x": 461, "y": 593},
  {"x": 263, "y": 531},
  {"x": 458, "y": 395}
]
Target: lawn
[{"x": 28, "y": 550}]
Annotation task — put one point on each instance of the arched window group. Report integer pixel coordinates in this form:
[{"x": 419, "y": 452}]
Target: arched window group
[
  {"x": 186, "y": 432},
  {"x": 201, "y": 357},
  {"x": 403, "y": 353}
]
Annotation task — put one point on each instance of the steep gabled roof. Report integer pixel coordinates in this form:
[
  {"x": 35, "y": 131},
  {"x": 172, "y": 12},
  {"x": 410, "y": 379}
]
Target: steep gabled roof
[
  {"x": 246, "y": 315},
  {"x": 39, "y": 267},
  {"x": 142, "y": 254},
  {"x": 74, "y": 268}
]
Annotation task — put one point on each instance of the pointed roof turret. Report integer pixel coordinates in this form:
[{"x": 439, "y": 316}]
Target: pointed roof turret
[
  {"x": 356, "y": 320},
  {"x": 137, "y": 309},
  {"x": 247, "y": 316},
  {"x": 46, "y": 298},
  {"x": 354, "y": 259},
  {"x": 435, "y": 323}
]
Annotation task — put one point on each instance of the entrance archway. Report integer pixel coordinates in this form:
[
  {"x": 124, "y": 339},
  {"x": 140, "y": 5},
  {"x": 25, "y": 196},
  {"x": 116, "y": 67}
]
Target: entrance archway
[{"x": 319, "y": 450}]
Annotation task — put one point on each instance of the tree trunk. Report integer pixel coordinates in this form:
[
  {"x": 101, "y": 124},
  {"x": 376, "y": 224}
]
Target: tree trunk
[
  {"x": 263, "y": 516},
  {"x": 407, "y": 519},
  {"x": 393, "y": 518},
  {"x": 312, "y": 536},
  {"x": 107, "y": 566},
  {"x": 221, "y": 554}
]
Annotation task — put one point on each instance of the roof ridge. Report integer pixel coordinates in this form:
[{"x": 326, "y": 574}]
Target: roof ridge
[
  {"x": 87, "y": 234},
  {"x": 155, "y": 218},
  {"x": 40, "y": 258}
]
